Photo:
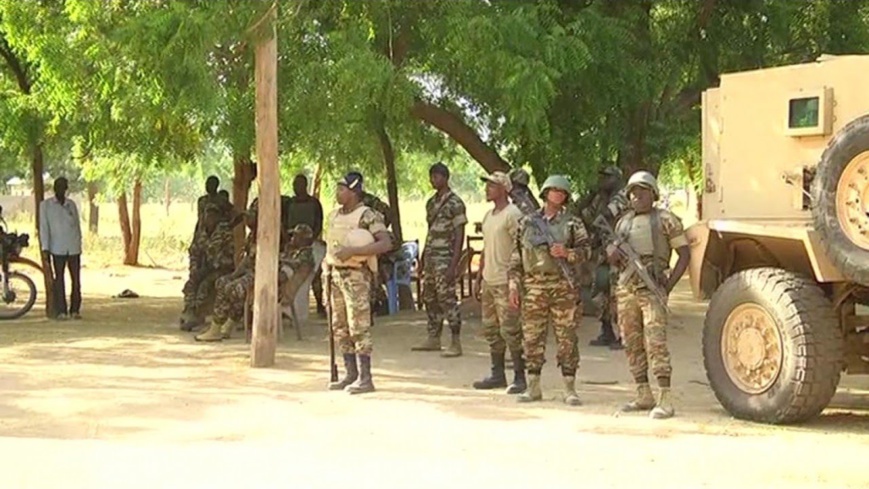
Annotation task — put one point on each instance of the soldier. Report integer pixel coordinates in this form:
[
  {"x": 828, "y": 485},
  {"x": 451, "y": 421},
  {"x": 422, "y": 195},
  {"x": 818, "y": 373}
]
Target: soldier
[
  {"x": 211, "y": 256},
  {"x": 349, "y": 268},
  {"x": 446, "y": 216},
  {"x": 548, "y": 297},
  {"x": 653, "y": 234},
  {"x": 521, "y": 195},
  {"x": 500, "y": 321},
  {"x": 304, "y": 208},
  {"x": 212, "y": 183},
  {"x": 233, "y": 288},
  {"x": 610, "y": 202}
]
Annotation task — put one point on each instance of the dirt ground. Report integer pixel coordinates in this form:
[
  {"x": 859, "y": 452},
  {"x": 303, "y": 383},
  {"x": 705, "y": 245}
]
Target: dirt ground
[{"x": 123, "y": 399}]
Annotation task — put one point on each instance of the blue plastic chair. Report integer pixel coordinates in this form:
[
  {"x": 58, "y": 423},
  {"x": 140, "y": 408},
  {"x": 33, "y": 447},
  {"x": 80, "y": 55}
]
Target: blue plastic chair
[{"x": 402, "y": 272}]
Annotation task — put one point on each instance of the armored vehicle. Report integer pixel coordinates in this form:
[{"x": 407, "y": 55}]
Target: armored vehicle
[{"x": 782, "y": 247}]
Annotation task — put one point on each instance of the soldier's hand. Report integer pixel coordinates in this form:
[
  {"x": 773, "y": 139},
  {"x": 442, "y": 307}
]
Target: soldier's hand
[
  {"x": 558, "y": 250},
  {"x": 514, "y": 298},
  {"x": 344, "y": 253}
]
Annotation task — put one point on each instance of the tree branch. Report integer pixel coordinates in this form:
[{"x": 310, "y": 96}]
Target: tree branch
[
  {"x": 14, "y": 65},
  {"x": 456, "y": 128}
]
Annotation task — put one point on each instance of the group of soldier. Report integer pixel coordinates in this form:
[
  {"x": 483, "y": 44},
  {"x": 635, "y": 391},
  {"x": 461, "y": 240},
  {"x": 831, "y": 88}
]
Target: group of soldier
[{"x": 536, "y": 258}]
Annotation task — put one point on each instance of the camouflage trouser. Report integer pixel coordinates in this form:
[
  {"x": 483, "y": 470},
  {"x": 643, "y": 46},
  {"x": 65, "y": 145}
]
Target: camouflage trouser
[
  {"x": 548, "y": 300},
  {"x": 439, "y": 297},
  {"x": 199, "y": 294},
  {"x": 501, "y": 325},
  {"x": 643, "y": 325},
  {"x": 351, "y": 309},
  {"x": 317, "y": 286},
  {"x": 231, "y": 293},
  {"x": 605, "y": 296}
]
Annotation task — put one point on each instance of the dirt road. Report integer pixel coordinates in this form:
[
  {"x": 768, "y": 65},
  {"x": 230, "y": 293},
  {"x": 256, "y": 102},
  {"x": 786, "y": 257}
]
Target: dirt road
[{"x": 123, "y": 399}]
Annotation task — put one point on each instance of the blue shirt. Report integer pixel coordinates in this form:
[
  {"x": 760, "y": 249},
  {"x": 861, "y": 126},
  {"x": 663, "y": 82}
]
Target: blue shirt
[{"x": 59, "y": 227}]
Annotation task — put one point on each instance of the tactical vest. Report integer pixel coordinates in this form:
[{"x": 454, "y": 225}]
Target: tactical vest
[
  {"x": 644, "y": 233},
  {"x": 340, "y": 226},
  {"x": 536, "y": 260}
]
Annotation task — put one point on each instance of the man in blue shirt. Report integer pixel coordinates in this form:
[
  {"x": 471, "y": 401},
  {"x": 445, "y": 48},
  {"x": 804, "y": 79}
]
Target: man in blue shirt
[{"x": 60, "y": 235}]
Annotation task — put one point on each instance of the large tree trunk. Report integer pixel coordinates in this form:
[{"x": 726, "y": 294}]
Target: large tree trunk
[
  {"x": 93, "y": 209},
  {"x": 124, "y": 221},
  {"x": 37, "y": 167},
  {"x": 456, "y": 128},
  {"x": 241, "y": 180},
  {"x": 131, "y": 257},
  {"x": 391, "y": 184},
  {"x": 266, "y": 316}
]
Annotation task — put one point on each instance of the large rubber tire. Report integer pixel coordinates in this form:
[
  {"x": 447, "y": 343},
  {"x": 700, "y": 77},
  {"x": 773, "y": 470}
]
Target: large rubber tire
[
  {"x": 811, "y": 346},
  {"x": 849, "y": 258},
  {"x": 31, "y": 297}
]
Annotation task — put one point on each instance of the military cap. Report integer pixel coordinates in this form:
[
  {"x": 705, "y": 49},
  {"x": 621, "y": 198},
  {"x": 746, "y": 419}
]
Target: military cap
[
  {"x": 499, "y": 178},
  {"x": 611, "y": 170},
  {"x": 352, "y": 180}
]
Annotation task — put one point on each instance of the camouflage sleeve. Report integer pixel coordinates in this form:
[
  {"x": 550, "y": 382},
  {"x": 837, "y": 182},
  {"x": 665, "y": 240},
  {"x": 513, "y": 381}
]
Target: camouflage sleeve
[
  {"x": 384, "y": 210},
  {"x": 673, "y": 230},
  {"x": 373, "y": 221},
  {"x": 226, "y": 256},
  {"x": 459, "y": 215},
  {"x": 580, "y": 249},
  {"x": 515, "y": 272}
]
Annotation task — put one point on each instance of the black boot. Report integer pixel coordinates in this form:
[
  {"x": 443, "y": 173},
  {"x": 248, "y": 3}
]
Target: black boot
[
  {"x": 497, "y": 378},
  {"x": 607, "y": 336},
  {"x": 519, "y": 383},
  {"x": 351, "y": 375},
  {"x": 364, "y": 383}
]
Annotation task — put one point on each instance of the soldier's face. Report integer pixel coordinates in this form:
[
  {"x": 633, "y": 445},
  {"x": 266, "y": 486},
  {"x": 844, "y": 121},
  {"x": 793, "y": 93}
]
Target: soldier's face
[
  {"x": 608, "y": 182},
  {"x": 641, "y": 199},
  {"x": 494, "y": 191},
  {"x": 342, "y": 194},
  {"x": 437, "y": 180}
]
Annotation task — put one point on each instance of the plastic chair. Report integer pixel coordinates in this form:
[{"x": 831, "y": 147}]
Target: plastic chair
[{"x": 402, "y": 272}]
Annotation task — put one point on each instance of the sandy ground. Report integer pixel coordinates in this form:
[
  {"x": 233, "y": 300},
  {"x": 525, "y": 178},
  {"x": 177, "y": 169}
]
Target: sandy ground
[{"x": 123, "y": 399}]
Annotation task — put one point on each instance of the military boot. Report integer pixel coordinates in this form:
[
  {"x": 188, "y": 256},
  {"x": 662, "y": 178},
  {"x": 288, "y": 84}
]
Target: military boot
[
  {"x": 606, "y": 337},
  {"x": 497, "y": 378},
  {"x": 227, "y": 328},
  {"x": 352, "y": 373},
  {"x": 455, "y": 348},
  {"x": 644, "y": 400},
  {"x": 533, "y": 392},
  {"x": 664, "y": 408},
  {"x": 519, "y": 385},
  {"x": 432, "y": 343},
  {"x": 364, "y": 383},
  {"x": 571, "y": 398},
  {"x": 214, "y": 333}
]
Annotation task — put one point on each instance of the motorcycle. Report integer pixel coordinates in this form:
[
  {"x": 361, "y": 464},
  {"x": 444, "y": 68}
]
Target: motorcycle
[{"x": 18, "y": 294}]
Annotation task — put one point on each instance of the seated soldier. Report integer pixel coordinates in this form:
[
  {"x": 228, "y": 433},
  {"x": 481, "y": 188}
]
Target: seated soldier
[
  {"x": 297, "y": 263},
  {"x": 211, "y": 257}
]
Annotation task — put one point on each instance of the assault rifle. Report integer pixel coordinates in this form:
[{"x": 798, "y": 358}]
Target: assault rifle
[
  {"x": 541, "y": 235},
  {"x": 633, "y": 263}
]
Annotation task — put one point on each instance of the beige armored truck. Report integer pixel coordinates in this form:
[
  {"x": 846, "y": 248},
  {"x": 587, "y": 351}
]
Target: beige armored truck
[{"x": 782, "y": 246}]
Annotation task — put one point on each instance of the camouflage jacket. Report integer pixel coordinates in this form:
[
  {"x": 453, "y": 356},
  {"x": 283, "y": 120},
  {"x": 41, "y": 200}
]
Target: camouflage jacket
[
  {"x": 379, "y": 206},
  {"x": 445, "y": 215},
  {"x": 672, "y": 236},
  {"x": 528, "y": 259},
  {"x": 212, "y": 252}
]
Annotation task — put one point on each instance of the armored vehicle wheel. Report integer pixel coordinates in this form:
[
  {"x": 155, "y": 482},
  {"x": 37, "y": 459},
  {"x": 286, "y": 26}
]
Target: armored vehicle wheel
[
  {"x": 840, "y": 194},
  {"x": 771, "y": 346}
]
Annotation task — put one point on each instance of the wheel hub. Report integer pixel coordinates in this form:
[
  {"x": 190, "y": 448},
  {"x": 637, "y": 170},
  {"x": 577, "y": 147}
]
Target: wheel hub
[
  {"x": 852, "y": 200},
  {"x": 751, "y": 348}
]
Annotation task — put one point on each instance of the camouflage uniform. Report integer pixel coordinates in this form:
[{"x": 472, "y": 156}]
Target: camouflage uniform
[
  {"x": 233, "y": 289},
  {"x": 384, "y": 261},
  {"x": 548, "y": 297},
  {"x": 642, "y": 320},
  {"x": 611, "y": 208},
  {"x": 211, "y": 256},
  {"x": 202, "y": 204},
  {"x": 445, "y": 215}
]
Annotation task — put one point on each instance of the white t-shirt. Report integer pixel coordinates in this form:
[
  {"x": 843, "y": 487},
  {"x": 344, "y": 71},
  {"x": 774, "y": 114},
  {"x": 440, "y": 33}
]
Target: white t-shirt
[{"x": 499, "y": 233}]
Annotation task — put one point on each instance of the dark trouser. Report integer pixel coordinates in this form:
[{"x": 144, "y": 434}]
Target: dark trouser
[
  {"x": 317, "y": 287},
  {"x": 60, "y": 263}
]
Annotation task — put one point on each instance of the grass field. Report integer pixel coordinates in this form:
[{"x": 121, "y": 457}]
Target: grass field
[{"x": 166, "y": 235}]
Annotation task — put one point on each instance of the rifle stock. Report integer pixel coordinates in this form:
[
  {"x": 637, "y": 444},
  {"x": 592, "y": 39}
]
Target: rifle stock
[
  {"x": 333, "y": 366},
  {"x": 633, "y": 263}
]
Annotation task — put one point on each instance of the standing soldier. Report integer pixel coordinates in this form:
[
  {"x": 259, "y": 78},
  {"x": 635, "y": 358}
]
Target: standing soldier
[
  {"x": 212, "y": 183},
  {"x": 446, "y": 217},
  {"x": 609, "y": 202},
  {"x": 500, "y": 321},
  {"x": 211, "y": 256},
  {"x": 350, "y": 265},
  {"x": 652, "y": 234},
  {"x": 548, "y": 297}
]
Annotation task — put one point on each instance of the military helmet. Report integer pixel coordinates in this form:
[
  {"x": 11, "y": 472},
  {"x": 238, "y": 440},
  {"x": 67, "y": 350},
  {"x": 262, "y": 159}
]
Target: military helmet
[
  {"x": 643, "y": 179},
  {"x": 559, "y": 182},
  {"x": 519, "y": 176},
  {"x": 611, "y": 171}
]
